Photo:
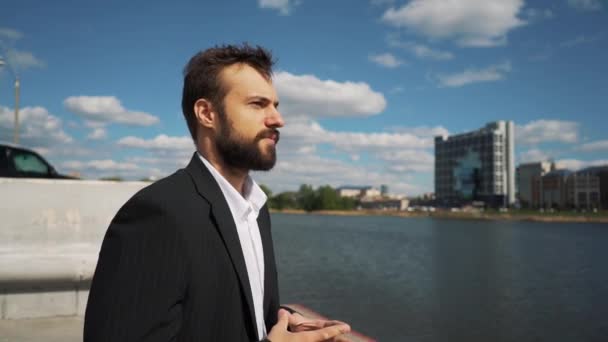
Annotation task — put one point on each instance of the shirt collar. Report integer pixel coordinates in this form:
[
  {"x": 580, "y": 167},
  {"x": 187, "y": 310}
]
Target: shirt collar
[{"x": 253, "y": 196}]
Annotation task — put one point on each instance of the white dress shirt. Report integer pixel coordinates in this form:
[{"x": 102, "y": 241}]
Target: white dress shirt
[{"x": 245, "y": 210}]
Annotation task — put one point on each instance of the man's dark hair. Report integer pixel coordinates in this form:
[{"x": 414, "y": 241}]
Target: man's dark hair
[{"x": 201, "y": 75}]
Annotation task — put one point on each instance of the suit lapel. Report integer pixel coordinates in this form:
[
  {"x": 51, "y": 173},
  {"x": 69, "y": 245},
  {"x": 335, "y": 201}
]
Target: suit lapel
[
  {"x": 264, "y": 225},
  {"x": 208, "y": 188}
]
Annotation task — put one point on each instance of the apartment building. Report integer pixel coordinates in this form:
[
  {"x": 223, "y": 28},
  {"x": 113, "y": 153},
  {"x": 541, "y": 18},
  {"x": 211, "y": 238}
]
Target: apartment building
[{"x": 476, "y": 166}]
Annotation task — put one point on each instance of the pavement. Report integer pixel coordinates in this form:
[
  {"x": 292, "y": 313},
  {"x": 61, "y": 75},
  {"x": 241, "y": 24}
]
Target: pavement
[{"x": 56, "y": 329}]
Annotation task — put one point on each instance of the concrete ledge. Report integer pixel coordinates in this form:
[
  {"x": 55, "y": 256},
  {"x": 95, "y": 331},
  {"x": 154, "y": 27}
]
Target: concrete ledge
[
  {"x": 47, "y": 302},
  {"x": 31, "y": 264},
  {"x": 50, "y": 236},
  {"x": 58, "y": 329},
  {"x": 45, "y": 281},
  {"x": 40, "y": 304}
]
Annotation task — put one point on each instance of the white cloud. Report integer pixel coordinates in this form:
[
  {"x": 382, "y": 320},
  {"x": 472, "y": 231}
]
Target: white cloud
[
  {"x": 581, "y": 39},
  {"x": 490, "y": 74},
  {"x": 37, "y": 127},
  {"x": 422, "y": 131},
  {"x": 71, "y": 150},
  {"x": 107, "y": 109},
  {"x": 160, "y": 142},
  {"x": 575, "y": 164},
  {"x": 382, "y": 2},
  {"x": 97, "y": 134},
  {"x": 105, "y": 168},
  {"x": 585, "y": 5},
  {"x": 534, "y": 14},
  {"x": 409, "y": 160},
  {"x": 475, "y": 23},
  {"x": 8, "y": 33},
  {"x": 21, "y": 60},
  {"x": 307, "y": 95},
  {"x": 353, "y": 141},
  {"x": 283, "y": 6},
  {"x": 289, "y": 174},
  {"x": 540, "y": 131},
  {"x": 306, "y": 132},
  {"x": 94, "y": 124},
  {"x": 387, "y": 156},
  {"x": 147, "y": 160},
  {"x": 386, "y": 60},
  {"x": 161, "y": 155},
  {"x": 541, "y": 56},
  {"x": 423, "y": 51},
  {"x": 420, "y": 50},
  {"x": 397, "y": 89},
  {"x": 601, "y": 145},
  {"x": 99, "y": 165},
  {"x": 533, "y": 155},
  {"x": 15, "y": 59}
]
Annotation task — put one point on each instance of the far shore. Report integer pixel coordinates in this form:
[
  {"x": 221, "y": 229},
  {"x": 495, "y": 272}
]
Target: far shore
[{"x": 509, "y": 216}]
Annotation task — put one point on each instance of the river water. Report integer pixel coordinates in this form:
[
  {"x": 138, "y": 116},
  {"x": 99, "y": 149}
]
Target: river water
[{"x": 424, "y": 279}]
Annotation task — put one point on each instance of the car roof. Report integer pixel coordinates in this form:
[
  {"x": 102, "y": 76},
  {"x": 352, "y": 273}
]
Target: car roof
[
  {"x": 15, "y": 146},
  {"x": 10, "y": 144}
]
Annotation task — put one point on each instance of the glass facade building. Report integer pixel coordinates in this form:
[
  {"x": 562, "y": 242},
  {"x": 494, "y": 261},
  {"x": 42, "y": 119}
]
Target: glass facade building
[{"x": 476, "y": 166}]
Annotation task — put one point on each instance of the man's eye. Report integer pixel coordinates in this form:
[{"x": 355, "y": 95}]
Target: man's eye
[{"x": 257, "y": 104}]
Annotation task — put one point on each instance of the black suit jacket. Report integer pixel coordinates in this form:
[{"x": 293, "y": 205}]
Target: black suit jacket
[{"x": 171, "y": 268}]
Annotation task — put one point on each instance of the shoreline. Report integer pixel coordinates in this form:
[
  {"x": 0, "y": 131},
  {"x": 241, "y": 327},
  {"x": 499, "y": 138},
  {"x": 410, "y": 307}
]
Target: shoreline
[{"x": 555, "y": 218}]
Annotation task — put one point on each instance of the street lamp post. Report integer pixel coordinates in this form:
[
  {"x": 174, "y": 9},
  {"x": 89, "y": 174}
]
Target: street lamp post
[
  {"x": 17, "y": 93},
  {"x": 17, "y": 90}
]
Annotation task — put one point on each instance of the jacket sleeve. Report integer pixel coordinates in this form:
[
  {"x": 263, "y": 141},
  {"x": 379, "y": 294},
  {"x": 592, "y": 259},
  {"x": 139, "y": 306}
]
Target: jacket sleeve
[{"x": 140, "y": 280}]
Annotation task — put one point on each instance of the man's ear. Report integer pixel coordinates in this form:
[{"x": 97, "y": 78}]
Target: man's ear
[{"x": 204, "y": 113}]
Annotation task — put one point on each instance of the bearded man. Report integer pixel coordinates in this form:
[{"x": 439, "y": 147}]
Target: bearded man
[{"x": 190, "y": 257}]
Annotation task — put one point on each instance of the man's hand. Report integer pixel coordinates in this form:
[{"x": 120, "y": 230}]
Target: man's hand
[
  {"x": 299, "y": 323},
  {"x": 306, "y": 330}
]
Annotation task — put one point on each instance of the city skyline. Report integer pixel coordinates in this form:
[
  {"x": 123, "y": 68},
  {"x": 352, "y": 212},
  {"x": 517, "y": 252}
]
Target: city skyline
[{"x": 364, "y": 87}]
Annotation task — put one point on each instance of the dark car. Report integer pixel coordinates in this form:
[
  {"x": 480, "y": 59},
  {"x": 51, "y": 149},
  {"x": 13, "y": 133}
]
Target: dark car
[{"x": 20, "y": 162}]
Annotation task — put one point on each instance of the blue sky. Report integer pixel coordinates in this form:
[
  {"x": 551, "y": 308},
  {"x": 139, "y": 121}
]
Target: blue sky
[{"x": 364, "y": 85}]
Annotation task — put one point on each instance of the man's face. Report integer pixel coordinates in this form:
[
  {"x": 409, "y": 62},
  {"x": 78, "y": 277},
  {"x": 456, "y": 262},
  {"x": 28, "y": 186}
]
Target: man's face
[{"x": 247, "y": 124}]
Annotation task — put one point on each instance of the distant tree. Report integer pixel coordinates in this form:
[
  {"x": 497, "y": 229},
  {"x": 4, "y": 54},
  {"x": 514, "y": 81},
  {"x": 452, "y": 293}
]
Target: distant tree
[
  {"x": 266, "y": 190},
  {"x": 328, "y": 199},
  {"x": 112, "y": 178},
  {"x": 284, "y": 200},
  {"x": 306, "y": 197},
  {"x": 348, "y": 203},
  {"x": 309, "y": 199}
]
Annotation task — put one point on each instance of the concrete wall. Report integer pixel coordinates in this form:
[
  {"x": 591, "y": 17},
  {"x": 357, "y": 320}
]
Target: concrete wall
[{"x": 50, "y": 235}]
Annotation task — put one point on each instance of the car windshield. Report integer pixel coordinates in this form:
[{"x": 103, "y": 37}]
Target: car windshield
[{"x": 28, "y": 162}]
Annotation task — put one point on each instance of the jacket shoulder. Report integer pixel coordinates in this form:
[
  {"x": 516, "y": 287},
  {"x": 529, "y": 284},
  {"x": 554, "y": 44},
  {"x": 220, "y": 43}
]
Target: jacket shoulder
[{"x": 172, "y": 196}]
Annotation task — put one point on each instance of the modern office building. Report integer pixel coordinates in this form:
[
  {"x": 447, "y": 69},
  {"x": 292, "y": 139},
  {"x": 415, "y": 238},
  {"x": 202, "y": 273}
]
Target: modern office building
[
  {"x": 528, "y": 180},
  {"x": 357, "y": 191},
  {"x": 476, "y": 166},
  {"x": 383, "y": 190},
  {"x": 603, "y": 174},
  {"x": 589, "y": 187},
  {"x": 384, "y": 203},
  {"x": 556, "y": 189}
]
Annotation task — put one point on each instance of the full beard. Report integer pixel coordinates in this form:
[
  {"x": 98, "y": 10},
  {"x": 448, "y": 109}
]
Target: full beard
[{"x": 241, "y": 154}]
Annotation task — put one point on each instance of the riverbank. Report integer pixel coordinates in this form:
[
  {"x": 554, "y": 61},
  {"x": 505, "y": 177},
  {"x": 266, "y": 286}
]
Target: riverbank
[{"x": 511, "y": 216}]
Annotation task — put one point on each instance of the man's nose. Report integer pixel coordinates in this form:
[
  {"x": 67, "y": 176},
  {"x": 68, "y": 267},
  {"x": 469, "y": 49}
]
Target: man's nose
[{"x": 274, "y": 118}]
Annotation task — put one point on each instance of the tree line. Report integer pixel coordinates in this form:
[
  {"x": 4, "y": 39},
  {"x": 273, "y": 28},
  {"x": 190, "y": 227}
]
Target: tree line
[{"x": 309, "y": 199}]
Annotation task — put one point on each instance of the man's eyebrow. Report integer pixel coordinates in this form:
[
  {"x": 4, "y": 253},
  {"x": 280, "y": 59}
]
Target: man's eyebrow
[{"x": 263, "y": 98}]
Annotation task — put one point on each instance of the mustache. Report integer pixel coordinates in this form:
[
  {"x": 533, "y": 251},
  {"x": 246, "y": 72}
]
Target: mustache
[{"x": 268, "y": 133}]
